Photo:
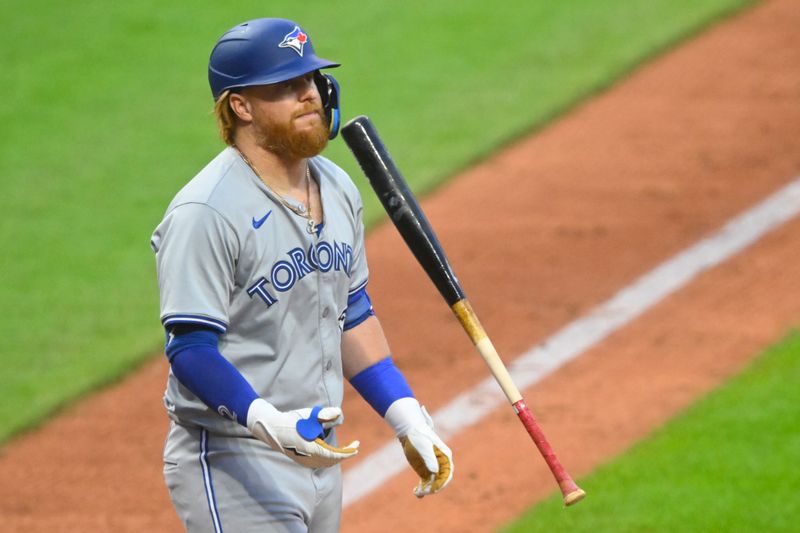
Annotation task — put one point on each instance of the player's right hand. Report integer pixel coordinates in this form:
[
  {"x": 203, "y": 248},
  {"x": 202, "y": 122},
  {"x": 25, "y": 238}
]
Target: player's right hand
[{"x": 278, "y": 430}]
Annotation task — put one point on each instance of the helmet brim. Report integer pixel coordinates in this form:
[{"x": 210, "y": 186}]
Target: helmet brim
[{"x": 277, "y": 76}]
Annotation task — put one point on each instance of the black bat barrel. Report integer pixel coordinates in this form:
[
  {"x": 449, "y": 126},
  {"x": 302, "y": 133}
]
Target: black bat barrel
[{"x": 401, "y": 205}]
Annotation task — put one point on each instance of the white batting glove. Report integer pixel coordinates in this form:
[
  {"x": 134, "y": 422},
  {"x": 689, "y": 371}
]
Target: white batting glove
[
  {"x": 430, "y": 458},
  {"x": 278, "y": 430}
]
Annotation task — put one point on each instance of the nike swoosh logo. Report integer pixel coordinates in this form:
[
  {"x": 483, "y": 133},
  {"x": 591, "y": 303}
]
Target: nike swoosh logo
[{"x": 258, "y": 223}]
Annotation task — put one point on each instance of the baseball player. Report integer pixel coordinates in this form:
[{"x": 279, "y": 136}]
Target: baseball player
[{"x": 263, "y": 283}]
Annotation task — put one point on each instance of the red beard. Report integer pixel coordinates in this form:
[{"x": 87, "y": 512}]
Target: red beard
[{"x": 286, "y": 140}]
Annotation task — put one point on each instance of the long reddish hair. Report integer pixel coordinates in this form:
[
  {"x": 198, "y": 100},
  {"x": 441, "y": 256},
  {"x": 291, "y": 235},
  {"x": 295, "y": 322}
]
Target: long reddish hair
[{"x": 226, "y": 118}]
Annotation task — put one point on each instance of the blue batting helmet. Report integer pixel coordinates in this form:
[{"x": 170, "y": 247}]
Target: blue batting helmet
[{"x": 270, "y": 50}]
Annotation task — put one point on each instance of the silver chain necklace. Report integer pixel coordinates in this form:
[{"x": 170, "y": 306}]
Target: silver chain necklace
[{"x": 302, "y": 211}]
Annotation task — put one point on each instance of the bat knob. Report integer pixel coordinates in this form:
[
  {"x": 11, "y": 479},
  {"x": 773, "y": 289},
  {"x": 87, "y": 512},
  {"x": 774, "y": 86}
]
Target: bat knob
[{"x": 574, "y": 497}]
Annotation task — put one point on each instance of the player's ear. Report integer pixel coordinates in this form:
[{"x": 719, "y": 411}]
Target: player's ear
[{"x": 241, "y": 106}]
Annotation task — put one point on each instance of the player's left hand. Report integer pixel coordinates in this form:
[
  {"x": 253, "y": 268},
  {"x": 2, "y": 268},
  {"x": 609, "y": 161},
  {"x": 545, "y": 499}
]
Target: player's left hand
[{"x": 427, "y": 454}]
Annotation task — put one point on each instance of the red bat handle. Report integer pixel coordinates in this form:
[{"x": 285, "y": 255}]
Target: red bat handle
[{"x": 572, "y": 493}]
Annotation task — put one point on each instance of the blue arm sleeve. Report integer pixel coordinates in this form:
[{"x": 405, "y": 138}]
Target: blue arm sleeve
[
  {"x": 381, "y": 384},
  {"x": 359, "y": 308},
  {"x": 201, "y": 368}
]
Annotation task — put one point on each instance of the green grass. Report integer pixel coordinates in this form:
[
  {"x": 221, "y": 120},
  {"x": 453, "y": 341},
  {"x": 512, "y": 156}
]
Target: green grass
[
  {"x": 105, "y": 113},
  {"x": 729, "y": 463}
]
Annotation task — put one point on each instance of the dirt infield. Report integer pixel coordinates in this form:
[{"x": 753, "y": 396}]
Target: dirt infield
[{"x": 539, "y": 235}]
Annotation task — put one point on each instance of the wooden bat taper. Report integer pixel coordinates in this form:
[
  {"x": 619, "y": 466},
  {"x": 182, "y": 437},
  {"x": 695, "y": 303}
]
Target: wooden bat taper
[{"x": 401, "y": 205}]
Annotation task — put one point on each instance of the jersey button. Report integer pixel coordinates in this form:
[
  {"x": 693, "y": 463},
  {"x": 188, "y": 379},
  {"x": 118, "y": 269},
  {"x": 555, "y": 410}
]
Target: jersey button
[
  {"x": 328, "y": 366},
  {"x": 325, "y": 312}
]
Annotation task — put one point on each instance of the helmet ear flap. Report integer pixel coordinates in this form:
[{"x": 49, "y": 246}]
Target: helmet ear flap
[{"x": 328, "y": 89}]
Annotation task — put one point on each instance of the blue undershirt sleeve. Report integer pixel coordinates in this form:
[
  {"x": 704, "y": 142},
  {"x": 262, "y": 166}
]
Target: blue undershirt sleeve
[
  {"x": 359, "y": 308},
  {"x": 381, "y": 384},
  {"x": 201, "y": 368}
]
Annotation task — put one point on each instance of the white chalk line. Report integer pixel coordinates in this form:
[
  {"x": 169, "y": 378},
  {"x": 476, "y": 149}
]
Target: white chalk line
[{"x": 574, "y": 339}]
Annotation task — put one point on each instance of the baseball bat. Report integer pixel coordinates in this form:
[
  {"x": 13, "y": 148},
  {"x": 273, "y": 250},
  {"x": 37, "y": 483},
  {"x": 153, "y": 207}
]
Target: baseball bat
[{"x": 404, "y": 210}]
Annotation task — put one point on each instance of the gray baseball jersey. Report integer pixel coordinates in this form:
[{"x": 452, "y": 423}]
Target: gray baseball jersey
[{"x": 232, "y": 257}]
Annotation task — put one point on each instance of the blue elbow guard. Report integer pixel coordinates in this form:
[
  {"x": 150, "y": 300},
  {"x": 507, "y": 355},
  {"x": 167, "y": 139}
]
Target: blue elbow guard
[{"x": 201, "y": 368}]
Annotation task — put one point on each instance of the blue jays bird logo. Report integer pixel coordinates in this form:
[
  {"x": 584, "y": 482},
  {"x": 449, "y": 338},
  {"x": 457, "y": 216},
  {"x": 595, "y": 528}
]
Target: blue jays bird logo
[{"x": 295, "y": 40}]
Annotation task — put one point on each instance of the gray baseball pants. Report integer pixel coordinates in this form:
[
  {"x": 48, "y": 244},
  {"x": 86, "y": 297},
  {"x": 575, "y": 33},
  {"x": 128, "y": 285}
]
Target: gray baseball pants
[{"x": 219, "y": 483}]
